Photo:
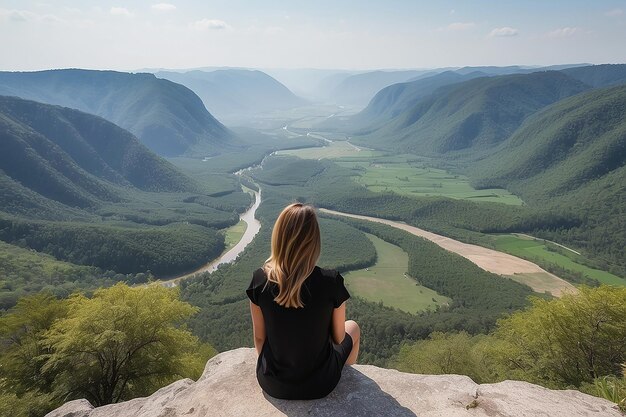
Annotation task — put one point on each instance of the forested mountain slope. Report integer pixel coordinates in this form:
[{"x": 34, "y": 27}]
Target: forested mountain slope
[
  {"x": 167, "y": 117},
  {"x": 73, "y": 158},
  {"x": 604, "y": 75},
  {"x": 236, "y": 92},
  {"x": 84, "y": 190},
  {"x": 396, "y": 98},
  {"x": 572, "y": 155},
  {"x": 474, "y": 115}
]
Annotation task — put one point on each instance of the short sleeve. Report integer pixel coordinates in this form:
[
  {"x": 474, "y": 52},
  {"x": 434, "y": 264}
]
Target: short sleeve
[
  {"x": 341, "y": 293},
  {"x": 255, "y": 287}
]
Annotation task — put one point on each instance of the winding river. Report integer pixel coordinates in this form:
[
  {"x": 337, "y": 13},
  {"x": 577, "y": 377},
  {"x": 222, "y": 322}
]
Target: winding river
[
  {"x": 252, "y": 228},
  {"x": 490, "y": 260}
]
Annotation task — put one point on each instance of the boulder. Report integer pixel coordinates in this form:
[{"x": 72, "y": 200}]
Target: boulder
[{"x": 228, "y": 387}]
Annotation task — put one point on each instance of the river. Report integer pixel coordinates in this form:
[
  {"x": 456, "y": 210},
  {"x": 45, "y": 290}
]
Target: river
[{"x": 252, "y": 228}]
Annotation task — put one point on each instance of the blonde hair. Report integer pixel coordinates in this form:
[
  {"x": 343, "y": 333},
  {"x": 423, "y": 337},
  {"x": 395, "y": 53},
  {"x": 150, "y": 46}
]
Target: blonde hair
[{"x": 296, "y": 246}]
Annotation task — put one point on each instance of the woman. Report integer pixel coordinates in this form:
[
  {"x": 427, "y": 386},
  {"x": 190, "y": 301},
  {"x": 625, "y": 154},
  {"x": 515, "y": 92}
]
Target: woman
[{"x": 299, "y": 313}]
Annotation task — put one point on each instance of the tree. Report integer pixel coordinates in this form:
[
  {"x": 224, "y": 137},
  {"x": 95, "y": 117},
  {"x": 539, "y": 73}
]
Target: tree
[
  {"x": 121, "y": 343},
  {"x": 570, "y": 340},
  {"x": 25, "y": 388}
]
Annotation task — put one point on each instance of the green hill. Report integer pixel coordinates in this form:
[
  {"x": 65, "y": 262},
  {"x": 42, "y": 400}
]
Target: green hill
[
  {"x": 395, "y": 99},
  {"x": 571, "y": 156},
  {"x": 82, "y": 189},
  {"x": 73, "y": 158},
  {"x": 168, "y": 118},
  {"x": 474, "y": 115}
]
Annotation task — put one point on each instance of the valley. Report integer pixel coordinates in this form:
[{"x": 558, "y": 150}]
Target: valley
[{"x": 448, "y": 200}]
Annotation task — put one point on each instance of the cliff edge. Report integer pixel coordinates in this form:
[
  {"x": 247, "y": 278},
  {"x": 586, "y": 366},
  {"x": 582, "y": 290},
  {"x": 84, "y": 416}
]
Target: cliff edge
[{"x": 228, "y": 387}]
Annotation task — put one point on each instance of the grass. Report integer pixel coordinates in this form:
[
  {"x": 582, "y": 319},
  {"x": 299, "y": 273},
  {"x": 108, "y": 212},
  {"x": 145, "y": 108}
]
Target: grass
[
  {"x": 233, "y": 234},
  {"x": 405, "y": 176},
  {"x": 528, "y": 248},
  {"x": 336, "y": 149},
  {"x": 388, "y": 283}
]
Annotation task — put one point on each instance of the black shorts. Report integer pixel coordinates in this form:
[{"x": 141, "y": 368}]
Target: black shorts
[
  {"x": 318, "y": 385},
  {"x": 343, "y": 349}
]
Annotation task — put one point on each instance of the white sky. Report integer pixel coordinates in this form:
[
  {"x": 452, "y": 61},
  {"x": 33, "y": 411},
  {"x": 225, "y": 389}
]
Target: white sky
[{"x": 349, "y": 34}]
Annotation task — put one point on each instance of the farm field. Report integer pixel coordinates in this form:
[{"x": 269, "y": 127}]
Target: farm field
[
  {"x": 333, "y": 150},
  {"x": 528, "y": 248},
  {"x": 386, "y": 281},
  {"x": 405, "y": 176}
]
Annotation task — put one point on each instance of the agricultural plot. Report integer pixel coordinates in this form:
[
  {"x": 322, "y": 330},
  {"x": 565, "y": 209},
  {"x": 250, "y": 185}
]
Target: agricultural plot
[
  {"x": 387, "y": 281},
  {"x": 333, "y": 150},
  {"x": 528, "y": 248},
  {"x": 402, "y": 176}
]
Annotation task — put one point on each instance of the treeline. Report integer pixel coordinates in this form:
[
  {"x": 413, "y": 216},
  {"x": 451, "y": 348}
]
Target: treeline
[
  {"x": 24, "y": 272},
  {"x": 162, "y": 250}
]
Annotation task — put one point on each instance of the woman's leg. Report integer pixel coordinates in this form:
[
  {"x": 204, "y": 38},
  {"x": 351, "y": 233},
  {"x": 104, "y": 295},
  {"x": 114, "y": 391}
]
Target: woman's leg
[{"x": 355, "y": 333}]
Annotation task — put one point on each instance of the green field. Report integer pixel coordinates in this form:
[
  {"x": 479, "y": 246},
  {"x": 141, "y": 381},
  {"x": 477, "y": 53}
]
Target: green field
[
  {"x": 233, "y": 234},
  {"x": 336, "y": 149},
  {"x": 404, "y": 175},
  {"x": 387, "y": 281},
  {"x": 531, "y": 249}
]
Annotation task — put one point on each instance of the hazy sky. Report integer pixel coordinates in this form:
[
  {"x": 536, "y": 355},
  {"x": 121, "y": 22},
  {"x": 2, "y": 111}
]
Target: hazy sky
[{"x": 352, "y": 34}]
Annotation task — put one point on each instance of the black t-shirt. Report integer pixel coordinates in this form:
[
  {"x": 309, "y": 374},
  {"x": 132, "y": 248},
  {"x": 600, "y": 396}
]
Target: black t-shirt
[{"x": 298, "y": 359}]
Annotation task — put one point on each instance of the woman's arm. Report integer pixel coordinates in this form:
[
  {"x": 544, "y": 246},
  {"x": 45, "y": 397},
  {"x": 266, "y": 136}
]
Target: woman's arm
[
  {"x": 339, "y": 323},
  {"x": 258, "y": 327}
]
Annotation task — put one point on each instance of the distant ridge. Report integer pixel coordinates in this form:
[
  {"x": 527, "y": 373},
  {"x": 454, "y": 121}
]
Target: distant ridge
[
  {"x": 167, "y": 117},
  {"x": 473, "y": 115},
  {"x": 236, "y": 92},
  {"x": 396, "y": 98}
]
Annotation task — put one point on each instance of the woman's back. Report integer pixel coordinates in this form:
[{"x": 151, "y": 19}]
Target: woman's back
[
  {"x": 298, "y": 310},
  {"x": 298, "y": 359}
]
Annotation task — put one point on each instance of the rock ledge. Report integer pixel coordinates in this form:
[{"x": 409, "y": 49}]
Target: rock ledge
[{"x": 228, "y": 387}]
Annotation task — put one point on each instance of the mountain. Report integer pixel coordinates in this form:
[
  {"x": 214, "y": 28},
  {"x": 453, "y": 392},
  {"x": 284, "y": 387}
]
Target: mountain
[
  {"x": 359, "y": 89},
  {"x": 563, "y": 148},
  {"x": 236, "y": 92},
  {"x": 473, "y": 115},
  {"x": 571, "y": 156},
  {"x": 309, "y": 82},
  {"x": 84, "y": 190},
  {"x": 396, "y": 98},
  {"x": 73, "y": 158},
  {"x": 599, "y": 75},
  {"x": 167, "y": 117}
]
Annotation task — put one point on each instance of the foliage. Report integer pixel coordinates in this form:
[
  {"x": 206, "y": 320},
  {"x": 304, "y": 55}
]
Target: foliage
[
  {"x": 162, "y": 250},
  {"x": 122, "y": 343},
  {"x": 570, "y": 340},
  {"x": 612, "y": 389},
  {"x": 574, "y": 341}
]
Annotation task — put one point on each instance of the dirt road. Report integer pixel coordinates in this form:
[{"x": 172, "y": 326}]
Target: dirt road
[{"x": 490, "y": 260}]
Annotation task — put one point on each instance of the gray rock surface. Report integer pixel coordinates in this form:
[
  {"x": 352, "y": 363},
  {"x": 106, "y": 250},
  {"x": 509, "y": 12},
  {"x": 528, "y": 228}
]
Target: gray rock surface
[{"x": 228, "y": 387}]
